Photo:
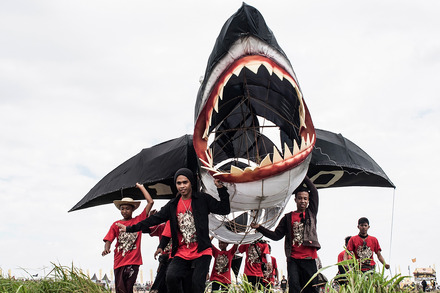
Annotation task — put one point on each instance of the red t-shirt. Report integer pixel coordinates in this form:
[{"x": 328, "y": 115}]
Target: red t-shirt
[
  {"x": 162, "y": 230},
  {"x": 300, "y": 251},
  {"x": 364, "y": 248},
  {"x": 274, "y": 269},
  {"x": 167, "y": 230},
  {"x": 253, "y": 258},
  {"x": 341, "y": 256},
  {"x": 187, "y": 237},
  {"x": 221, "y": 271},
  {"x": 128, "y": 245},
  {"x": 157, "y": 230}
]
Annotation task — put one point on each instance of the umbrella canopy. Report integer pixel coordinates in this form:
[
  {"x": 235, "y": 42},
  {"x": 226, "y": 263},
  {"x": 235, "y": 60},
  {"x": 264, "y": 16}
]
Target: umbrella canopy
[
  {"x": 154, "y": 167},
  {"x": 338, "y": 162}
]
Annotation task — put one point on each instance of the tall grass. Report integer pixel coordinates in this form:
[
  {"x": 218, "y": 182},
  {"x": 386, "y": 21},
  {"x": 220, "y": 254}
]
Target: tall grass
[
  {"x": 59, "y": 279},
  {"x": 243, "y": 287},
  {"x": 356, "y": 282},
  {"x": 366, "y": 282},
  {"x": 71, "y": 279}
]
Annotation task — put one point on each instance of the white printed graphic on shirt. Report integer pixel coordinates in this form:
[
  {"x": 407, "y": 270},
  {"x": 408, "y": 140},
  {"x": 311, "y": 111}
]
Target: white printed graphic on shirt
[
  {"x": 363, "y": 252},
  {"x": 221, "y": 263},
  {"x": 254, "y": 253},
  {"x": 298, "y": 233},
  {"x": 187, "y": 227},
  {"x": 127, "y": 242}
]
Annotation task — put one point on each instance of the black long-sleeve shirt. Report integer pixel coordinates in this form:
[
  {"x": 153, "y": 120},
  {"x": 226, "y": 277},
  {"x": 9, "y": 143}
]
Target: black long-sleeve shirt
[
  {"x": 284, "y": 228},
  {"x": 202, "y": 205}
]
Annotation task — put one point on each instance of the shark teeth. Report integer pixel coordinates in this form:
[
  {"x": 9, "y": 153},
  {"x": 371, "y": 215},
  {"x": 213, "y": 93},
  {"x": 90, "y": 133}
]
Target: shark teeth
[
  {"x": 266, "y": 161},
  {"x": 276, "y": 155},
  {"x": 269, "y": 159},
  {"x": 278, "y": 73},
  {"x": 306, "y": 142},
  {"x": 254, "y": 66},
  {"x": 237, "y": 70},
  {"x": 295, "y": 148},
  {"x": 287, "y": 153},
  {"x": 236, "y": 170}
]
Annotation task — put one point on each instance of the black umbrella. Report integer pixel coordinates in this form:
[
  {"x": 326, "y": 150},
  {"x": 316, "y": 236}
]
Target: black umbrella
[
  {"x": 338, "y": 162},
  {"x": 154, "y": 167}
]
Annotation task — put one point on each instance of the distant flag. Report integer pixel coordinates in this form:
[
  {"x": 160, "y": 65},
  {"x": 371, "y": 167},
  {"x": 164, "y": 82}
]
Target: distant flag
[{"x": 413, "y": 259}]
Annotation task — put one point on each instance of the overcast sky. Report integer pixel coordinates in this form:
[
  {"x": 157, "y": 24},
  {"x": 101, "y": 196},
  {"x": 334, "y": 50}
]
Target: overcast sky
[{"x": 85, "y": 85}]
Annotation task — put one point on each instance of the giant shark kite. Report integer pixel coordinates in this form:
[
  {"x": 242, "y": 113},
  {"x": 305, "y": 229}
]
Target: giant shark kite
[{"x": 253, "y": 131}]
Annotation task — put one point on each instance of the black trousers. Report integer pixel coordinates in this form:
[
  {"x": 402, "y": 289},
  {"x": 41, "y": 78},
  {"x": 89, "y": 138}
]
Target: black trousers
[
  {"x": 125, "y": 277},
  {"x": 235, "y": 265},
  {"x": 159, "y": 283},
  {"x": 299, "y": 273},
  {"x": 188, "y": 275},
  {"x": 255, "y": 281},
  {"x": 219, "y": 287}
]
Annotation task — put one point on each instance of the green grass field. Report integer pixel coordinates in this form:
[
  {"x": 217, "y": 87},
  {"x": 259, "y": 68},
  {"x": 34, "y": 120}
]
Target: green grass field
[
  {"x": 71, "y": 279},
  {"x": 59, "y": 279}
]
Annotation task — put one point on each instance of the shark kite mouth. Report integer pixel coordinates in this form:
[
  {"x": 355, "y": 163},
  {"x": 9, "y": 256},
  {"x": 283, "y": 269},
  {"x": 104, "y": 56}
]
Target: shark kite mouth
[{"x": 246, "y": 100}]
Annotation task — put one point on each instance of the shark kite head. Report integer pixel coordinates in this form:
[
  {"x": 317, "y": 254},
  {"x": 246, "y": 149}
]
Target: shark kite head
[
  {"x": 250, "y": 90},
  {"x": 252, "y": 127}
]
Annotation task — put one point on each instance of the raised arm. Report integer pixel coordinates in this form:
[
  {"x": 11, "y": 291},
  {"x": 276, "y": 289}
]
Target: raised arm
[
  {"x": 150, "y": 201},
  {"x": 313, "y": 197},
  {"x": 223, "y": 206},
  {"x": 161, "y": 216}
]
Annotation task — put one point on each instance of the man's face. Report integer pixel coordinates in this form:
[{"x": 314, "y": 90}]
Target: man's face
[
  {"x": 126, "y": 211},
  {"x": 183, "y": 185},
  {"x": 222, "y": 245},
  {"x": 363, "y": 228},
  {"x": 302, "y": 200}
]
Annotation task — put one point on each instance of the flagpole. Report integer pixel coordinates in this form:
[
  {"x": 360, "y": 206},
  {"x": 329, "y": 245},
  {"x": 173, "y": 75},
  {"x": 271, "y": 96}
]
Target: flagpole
[{"x": 392, "y": 223}]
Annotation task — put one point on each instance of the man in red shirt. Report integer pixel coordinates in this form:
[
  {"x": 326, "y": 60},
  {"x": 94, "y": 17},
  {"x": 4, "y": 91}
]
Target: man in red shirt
[
  {"x": 300, "y": 238},
  {"x": 189, "y": 226},
  {"x": 363, "y": 246},
  {"x": 128, "y": 256},
  {"x": 341, "y": 268},
  {"x": 342, "y": 253},
  {"x": 271, "y": 272},
  {"x": 159, "y": 285},
  {"x": 221, "y": 271},
  {"x": 255, "y": 253}
]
